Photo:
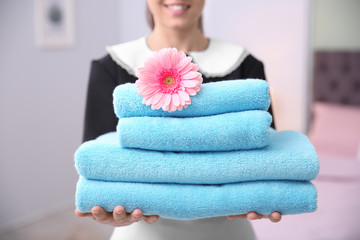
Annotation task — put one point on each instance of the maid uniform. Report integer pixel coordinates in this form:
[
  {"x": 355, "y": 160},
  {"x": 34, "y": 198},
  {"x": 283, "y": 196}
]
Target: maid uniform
[{"x": 221, "y": 60}]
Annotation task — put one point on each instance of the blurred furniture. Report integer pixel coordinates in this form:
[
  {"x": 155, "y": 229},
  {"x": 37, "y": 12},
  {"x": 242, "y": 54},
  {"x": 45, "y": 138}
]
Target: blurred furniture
[{"x": 335, "y": 132}]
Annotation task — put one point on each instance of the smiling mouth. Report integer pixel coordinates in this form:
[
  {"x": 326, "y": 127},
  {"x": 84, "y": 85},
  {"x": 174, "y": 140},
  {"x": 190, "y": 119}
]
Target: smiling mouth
[{"x": 176, "y": 7}]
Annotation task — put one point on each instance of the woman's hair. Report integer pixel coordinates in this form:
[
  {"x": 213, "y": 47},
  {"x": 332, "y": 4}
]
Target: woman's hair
[{"x": 151, "y": 23}]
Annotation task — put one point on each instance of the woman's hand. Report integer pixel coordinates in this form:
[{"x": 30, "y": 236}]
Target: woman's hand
[
  {"x": 274, "y": 217},
  {"x": 118, "y": 218}
]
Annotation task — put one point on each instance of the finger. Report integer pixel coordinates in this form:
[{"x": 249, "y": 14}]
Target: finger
[
  {"x": 100, "y": 214},
  {"x": 81, "y": 214},
  {"x": 154, "y": 218},
  {"x": 237, "y": 216},
  {"x": 135, "y": 216},
  {"x": 119, "y": 214},
  {"x": 150, "y": 219},
  {"x": 254, "y": 216},
  {"x": 275, "y": 217}
]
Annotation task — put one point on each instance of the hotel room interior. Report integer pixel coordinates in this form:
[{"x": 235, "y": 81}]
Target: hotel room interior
[{"x": 311, "y": 53}]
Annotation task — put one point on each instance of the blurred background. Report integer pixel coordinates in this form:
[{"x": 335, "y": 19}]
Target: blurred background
[{"x": 46, "y": 48}]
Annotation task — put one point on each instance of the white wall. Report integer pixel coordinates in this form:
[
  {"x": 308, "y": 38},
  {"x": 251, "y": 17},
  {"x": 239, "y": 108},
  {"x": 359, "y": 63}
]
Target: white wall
[
  {"x": 278, "y": 33},
  {"x": 42, "y": 97},
  {"x": 132, "y": 20},
  {"x": 336, "y": 25}
]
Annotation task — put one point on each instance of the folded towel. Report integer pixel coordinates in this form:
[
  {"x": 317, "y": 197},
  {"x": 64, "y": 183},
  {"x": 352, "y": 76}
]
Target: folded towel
[
  {"x": 214, "y": 98},
  {"x": 181, "y": 201},
  {"x": 289, "y": 156},
  {"x": 223, "y": 132}
]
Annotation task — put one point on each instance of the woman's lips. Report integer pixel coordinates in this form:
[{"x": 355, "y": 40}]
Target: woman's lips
[{"x": 177, "y": 9}]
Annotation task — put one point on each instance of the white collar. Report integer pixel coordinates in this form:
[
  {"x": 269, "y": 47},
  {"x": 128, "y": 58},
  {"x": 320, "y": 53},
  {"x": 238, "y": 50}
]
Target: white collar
[{"x": 217, "y": 60}]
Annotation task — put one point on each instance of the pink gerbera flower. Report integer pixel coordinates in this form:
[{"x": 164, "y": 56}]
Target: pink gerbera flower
[{"x": 168, "y": 79}]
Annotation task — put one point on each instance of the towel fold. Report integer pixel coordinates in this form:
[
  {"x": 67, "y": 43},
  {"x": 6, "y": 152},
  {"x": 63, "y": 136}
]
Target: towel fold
[
  {"x": 223, "y": 132},
  {"x": 214, "y": 98},
  {"x": 289, "y": 156},
  {"x": 185, "y": 202}
]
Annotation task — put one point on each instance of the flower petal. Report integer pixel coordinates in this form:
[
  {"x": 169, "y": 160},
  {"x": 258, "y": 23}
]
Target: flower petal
[
  {"x": 197, "y": 88},
  {"x": 167, "y": 99},
  {"x": 147, "y": 77},
  {"x": 188, "y": 83},
  {"x": 174, "y": 58},
  {"x": 175, "y": 99},
  {"x": 165, "y": 108},
  {"x": 145, "y": 98},
  {"x": 165, "y": 58},
  {"x": 194, "y": 67},
  {"x": 160, "y": 103},
  {"x": 152, "y": 62},
  {"x": 148, "y": 90},
  {"x": 182, "y": 101},
  {"x": 191, "y": 75},
  {"x": 149, "y": 100},
  {"x": 172, "y": 108},
  {"x": 157, "y": 97},
  {"x": 184, "y": 95},
  {"x": 184, "y": 65},
  {"x": 191, "y": 91}
]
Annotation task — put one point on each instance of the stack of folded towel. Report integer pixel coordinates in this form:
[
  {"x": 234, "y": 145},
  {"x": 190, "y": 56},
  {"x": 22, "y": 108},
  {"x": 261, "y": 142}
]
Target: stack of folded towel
[{"x": 217, "y": 157}]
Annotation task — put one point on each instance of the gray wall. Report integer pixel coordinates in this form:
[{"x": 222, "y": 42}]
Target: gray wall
[
  {"x": 336, "y": 25},
  {"x": 42, "y": 97}
]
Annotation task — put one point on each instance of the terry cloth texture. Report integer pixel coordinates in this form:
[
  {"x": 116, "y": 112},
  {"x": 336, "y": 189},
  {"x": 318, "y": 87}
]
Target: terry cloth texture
[
  {"x": 289, "y": 156},
  {"x": 181, "y": 201},
  {"x": 223, "y": 132},
  {"x": 214, "y": 98}
]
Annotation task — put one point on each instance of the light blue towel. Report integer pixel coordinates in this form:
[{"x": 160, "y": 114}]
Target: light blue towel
[
  {"x": 289, "y": 155},
  {"x": 213, "y": 98},
  {"x": 223, "y": 132},
  {"x": 185, "y": 202}
]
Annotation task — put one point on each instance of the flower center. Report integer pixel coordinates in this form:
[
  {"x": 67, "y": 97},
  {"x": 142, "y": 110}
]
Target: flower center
[{"x": 169, "y": 81}]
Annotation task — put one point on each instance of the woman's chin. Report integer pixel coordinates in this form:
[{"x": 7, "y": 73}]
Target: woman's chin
[{"x": 181, "y": 24}]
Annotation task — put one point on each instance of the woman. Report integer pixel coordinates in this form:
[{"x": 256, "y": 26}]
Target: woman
[{"x": 175, "y": 24}]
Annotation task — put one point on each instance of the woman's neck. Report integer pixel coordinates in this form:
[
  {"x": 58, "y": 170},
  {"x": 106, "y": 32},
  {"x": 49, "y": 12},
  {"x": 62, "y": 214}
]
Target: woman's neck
[{"x": 184, "y": 40}]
